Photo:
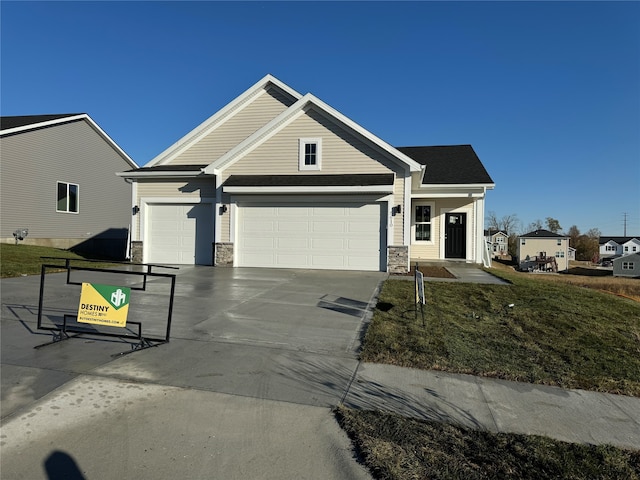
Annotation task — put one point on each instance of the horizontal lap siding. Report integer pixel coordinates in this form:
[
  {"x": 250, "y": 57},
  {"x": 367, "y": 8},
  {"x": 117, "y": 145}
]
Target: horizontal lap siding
[
  {"x": 32, "y": 163},
  {"x": 432, "y": 251},
  {"x": 235, "y": 129},
  {"x": 171, "y": 189},
  {"x": 342, "y": 153}
]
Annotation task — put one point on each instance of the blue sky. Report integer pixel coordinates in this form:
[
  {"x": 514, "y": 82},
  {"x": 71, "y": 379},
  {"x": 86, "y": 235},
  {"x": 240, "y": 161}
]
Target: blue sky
[{"x": 548, "y": 93}]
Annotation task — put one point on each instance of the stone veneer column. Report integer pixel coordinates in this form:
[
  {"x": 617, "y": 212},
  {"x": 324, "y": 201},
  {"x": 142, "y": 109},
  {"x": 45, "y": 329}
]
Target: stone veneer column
[
  {"x": 136, "y": 252},
  {"x": 223, "y": 254},
  {"x": 398, "y": 259}
]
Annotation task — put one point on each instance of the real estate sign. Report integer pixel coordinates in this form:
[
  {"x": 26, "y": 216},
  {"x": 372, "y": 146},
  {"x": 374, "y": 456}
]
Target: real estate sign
[{"x": 104, "y": 304}]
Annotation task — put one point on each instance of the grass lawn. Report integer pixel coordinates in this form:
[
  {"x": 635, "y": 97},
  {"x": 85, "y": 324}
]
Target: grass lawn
[
  {"x": 394, "y": 447},
  {"x": 556, "y": 333},
  {"x": 18, "y": 260}
]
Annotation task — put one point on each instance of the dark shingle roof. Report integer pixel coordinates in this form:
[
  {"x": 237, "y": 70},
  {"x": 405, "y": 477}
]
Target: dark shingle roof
[
  {"x": 309, "y": 180},
  {"x": 449, "y": 164},
  {"x": 542, "y": 233},
  {"x": 24, "y": 120},
  {"x": 618, "y": 240},
  {"x": 170, "y": 168}
]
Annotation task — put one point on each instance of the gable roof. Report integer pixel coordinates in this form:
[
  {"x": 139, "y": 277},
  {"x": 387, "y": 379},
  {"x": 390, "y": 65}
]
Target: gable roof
[
  {"x": 491, "y": 232},
  {"x": 618, "y": 240},
  {"x": 305, "y": 103},
  {"x": 626, "y": 258},
  {"x": 222, "y": 115},
  {"x": 449, "y": 164},
  {"x": 542, "y": 233},
  {"x": 13, "y": 125}
]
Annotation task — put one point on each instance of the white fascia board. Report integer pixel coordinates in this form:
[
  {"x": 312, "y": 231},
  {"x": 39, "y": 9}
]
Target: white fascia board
[
  {"x": 33, "y": 126},
  {"x": 458, "y": 186},
  {"x": 73, "y": 118},
  {"x": 194, "y": 173},
  {"x": 392, "y": 151},
  {"x": 317, "y": 189},
  {"x": 217, "y": 119},
  {"x": 109, "y": 140},
  {"x": 291, "y": 114}
]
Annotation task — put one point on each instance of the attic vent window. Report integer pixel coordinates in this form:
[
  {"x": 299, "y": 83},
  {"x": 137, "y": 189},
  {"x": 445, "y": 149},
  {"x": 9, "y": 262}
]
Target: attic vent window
[{"x": 310, "y": 154}]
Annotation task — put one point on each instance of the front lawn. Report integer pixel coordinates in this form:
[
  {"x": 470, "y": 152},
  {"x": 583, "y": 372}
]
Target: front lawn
[
  {"x": 554, "y": 334},
  {"x": 395, "y": 447},
  {"x": 20, "y": 260}
]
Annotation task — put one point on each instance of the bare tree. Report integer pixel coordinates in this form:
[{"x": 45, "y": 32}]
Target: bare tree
[
  {"x": 533, "y": 226},
  {"x": 508, "y": 223}
]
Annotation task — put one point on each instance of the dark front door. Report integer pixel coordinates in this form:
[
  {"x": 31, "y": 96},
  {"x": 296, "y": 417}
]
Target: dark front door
[{"x": 455, "y": 235}]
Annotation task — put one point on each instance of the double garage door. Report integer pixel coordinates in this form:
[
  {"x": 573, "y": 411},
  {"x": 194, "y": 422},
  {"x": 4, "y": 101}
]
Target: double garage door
[{"x": 341, "y": 236}]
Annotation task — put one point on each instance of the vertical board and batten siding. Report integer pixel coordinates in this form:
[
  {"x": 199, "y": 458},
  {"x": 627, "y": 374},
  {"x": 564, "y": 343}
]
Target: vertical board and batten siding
[
  {"x": 172, "y": 189},
  {"x": 342, "y": 153},
  {"x": 236, "y": 128},
  {"x": 32, "y": 163}
]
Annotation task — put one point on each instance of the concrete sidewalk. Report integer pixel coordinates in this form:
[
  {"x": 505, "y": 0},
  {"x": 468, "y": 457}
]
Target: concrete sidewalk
[{"x": 577, "y": 416}]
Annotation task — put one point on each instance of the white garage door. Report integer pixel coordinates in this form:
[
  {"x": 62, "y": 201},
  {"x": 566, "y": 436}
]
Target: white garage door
[
  {"x": 180, "y": 234},
  {"x": 346, "y": 236}
]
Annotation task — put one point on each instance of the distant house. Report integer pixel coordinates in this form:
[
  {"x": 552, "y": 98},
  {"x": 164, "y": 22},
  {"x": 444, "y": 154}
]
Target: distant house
[
  {"x": 571, "y": 254},
  {"x": 498, "y": 242},
  {"x": 59, "y": 183},
  {"x": 543, "y": 250},
  {"x": 613, "y": 247},
  {"x": 627, "y": 266}
]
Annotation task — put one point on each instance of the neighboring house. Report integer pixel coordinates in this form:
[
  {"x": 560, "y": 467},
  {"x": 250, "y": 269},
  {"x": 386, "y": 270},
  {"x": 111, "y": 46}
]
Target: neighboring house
[
  {"x": 543, "y": 250},
  {"x": 571, "y": 254},
  {"x": 59, "y": 183},
  {"x": 280, "y": 179},
  {"x": 627, "y": 266},
  {"x": 497, "y": 241},
  {"x": 613, "y": 247}
]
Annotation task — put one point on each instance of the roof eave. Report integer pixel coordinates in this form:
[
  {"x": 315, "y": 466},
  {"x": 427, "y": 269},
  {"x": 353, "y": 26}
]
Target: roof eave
[{"x": 191, "y": 174}]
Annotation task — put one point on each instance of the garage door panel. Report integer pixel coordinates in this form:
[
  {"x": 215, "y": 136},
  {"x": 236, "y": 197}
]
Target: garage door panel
[
  {"x": 260, "y": 242},
  {"x": 294, "y": 226},
  {"x": 329, "y": 226},
  {"x": 301, "y": 243},
  {"x": 257, "y": 226},
  {"x": 180, "y": 233},
  {"x": 324, "y": 236}
]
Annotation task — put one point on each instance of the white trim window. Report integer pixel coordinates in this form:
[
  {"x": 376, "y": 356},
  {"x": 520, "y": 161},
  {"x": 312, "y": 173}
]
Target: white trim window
[
  {"x": 310, "y": 154},
  {"x": 68, "y": 197},
  {"x": 628, "y": 266},
  {"x": 421, "y": 222}
]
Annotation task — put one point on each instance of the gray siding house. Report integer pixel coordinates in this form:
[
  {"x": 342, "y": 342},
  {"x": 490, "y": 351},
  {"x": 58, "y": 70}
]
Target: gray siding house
[
  {"x": 59, "y": 182},
  {"x": 627, "y": 266}
]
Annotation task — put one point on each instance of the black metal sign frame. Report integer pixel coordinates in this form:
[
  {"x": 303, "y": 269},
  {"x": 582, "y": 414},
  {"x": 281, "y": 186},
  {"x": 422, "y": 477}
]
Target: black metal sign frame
[{"x": 62, "y": 332}]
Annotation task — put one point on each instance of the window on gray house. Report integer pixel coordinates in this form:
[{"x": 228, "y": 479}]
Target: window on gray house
[{"x": 67, "y": 197}]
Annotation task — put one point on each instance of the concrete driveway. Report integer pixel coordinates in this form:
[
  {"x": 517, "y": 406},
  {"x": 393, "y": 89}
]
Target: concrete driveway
[{"x": 256, "y": 358}]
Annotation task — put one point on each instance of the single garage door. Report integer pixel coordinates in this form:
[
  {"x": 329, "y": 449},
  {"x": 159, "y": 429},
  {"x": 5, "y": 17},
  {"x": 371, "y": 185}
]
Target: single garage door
[
  {"x": 346, "y": 236},
  {"x": 180, "y": 233}
]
